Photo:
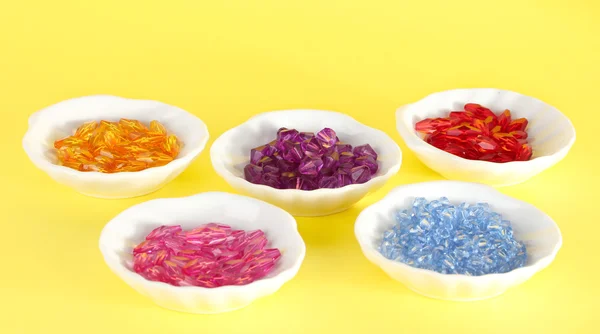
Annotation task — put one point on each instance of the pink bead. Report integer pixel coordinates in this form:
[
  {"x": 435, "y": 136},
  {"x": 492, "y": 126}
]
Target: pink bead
[{"x": 209, "y": 256}]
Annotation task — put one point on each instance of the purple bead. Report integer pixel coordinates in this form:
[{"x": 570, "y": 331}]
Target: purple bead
[
  {"x": 289, "y": 180},
  {"x": 330, "y": 165},
  {"x": 308, "y": 183},
  {"x": 302, "y": 136},
  {"x": 367, "y": 160},
  {"x": 273, "y": 147},
  {"x": 307, "y": 161},
  {"x": 287, "y": 134},
  {"x": 341, "y": 147},
  {"x": 360, "y": 174},
  {"x": 365, "y": 150},
  {"x": 326, "y": 137},
  {"x": 270, "y": 169},
  {"x": 346, "y": 157},
  {"x": 265, "y": 161},
  {"x": 312, "y": 148},
  {"x": 286, "y": 166},
  {"x": 310, "y": 166},
  {"x": 343, "y": 179},
  {"x": 258, "y": 153},
  {"x": 346, "y": 161},
  {"x": 271, "y": 180},
  {"x": 293, "y": 153},
  {"x": 253, "y": 173},
  {"x": 329, "y": 182}
]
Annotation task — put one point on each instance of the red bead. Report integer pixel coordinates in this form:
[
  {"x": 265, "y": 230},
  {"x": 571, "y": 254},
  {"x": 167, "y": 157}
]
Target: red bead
[
  {"x": 430, "y": 125},
  {"x": 478, "y": 134},
  {"x": 517, "y": 125}
]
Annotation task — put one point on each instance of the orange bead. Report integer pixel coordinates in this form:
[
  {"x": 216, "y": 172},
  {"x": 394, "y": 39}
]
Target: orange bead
[{"x": 112, "y": 147}]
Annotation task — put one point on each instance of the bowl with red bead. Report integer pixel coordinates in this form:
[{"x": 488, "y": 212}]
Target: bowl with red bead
[
  {"x": 113, "y": 147},
  {"x": 308, "y": 162},
  {"x": 207, "y": 253},
  {"x": 491, "y": 136}
]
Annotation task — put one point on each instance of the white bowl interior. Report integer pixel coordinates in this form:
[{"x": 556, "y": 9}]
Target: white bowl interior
[
  {"x": 130, "y": 228},
  {"x": 549, "y": 130},
  {"x": 62, "y": 119},
  {"x": 262, "y": 129},
  {"x": 538, "y": 231}
]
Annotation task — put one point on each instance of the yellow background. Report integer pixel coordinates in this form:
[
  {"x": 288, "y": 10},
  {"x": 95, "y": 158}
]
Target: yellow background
[{"x": 227, "y": 60}]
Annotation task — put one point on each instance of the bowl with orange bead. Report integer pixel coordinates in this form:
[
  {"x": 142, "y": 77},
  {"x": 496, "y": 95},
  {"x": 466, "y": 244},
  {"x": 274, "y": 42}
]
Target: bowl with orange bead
[
  {"x": 490, "y": 136},
  {"x": 112, "y": 147}
]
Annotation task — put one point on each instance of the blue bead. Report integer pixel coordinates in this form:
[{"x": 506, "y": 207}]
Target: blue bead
[{"x": 453, "y": 239}]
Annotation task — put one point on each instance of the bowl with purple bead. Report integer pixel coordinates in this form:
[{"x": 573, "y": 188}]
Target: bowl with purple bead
[
  {"x": 308, "y": 162},
  {"x": 455, "y": 240}
]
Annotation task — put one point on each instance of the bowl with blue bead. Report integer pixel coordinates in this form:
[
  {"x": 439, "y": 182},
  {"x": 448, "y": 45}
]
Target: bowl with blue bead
[{"x": 456, "y": 240}]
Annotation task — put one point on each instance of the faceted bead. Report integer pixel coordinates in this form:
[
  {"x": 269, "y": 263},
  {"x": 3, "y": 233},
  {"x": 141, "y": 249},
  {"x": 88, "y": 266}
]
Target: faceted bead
[
  {"x": 504, "y": 119},
  {"x": 303, "y": 136},
  {"x": 363, "y": 150},
  {"x": 270, "y": 168},
  {"x": 258, "y": 153},
  {"x": 344, "y": 179},
  {"x": 96, "y": 146},
  {"x": 326, "y": 137},
  {"x": 330, "y": 162},
  {"x": 310, "y": 166},
  {"x": 518, "y": 134},
  {"x": 227, "y": 256},
  {"x": 305, "y": 161},
  {"x": 329, "y": 182},
  {"x": 294, "y": 153},
  {"x": 266, "y": 161},
  {"x": 271, "y": 179},
  {"x": 524, "y": 153},
  {"x": 477, "y": 134},
  {"x": 341, "y": 147},
  {"x": 453, "y": 239},
  {"x": 311, "y": 148},
  {"x": 519, "y": 124},
  {"x": 457, "y": 117},
  {"x": 163, "y": 231},
  {"x": 308, "y": 183},
  {"x": 286, "y": 166},
  {"x": 478, "y": 110},
  {"x": 360, "y": 174},
  {"x": 367, "y": 160},
  {"x": 346, "y": 160},
  {"x": 287, "y": 135},
  {"x": 486, "y": 143},
  {"x": 289, "y": 180},
  {"x": 431, "y": 125},
  {"x": 252, "y": 173}
]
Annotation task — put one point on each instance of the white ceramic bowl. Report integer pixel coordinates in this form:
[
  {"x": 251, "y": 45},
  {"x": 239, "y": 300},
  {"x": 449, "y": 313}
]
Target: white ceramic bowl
[
  {"x": 530, "y": 225},
  {"x": 551, "y": 135},
  {"x": 62, "y": 119},
  {"x": 231, "y": 152},
  {"x": 129, "y": 228}
]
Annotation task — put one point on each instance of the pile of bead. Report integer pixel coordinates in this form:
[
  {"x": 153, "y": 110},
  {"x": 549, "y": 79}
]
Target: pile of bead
[
  {"x": 453, "y": 239},
  {"x": 209, "y": 256},
  {"x": 112, "y": 147},
  {"x": 478, "y": 134},
  {"x": 307, "y": 161}
]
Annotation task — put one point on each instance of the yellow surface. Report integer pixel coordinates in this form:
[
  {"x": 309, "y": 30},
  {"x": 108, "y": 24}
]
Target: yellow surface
[{"x": 228, "y": 60}]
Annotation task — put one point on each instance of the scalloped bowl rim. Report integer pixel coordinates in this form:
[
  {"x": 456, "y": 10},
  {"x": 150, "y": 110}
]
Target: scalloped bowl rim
[
  {"x": 415, "y": 143},
  {"x": 534, "y": 267},
  {"x": 240, "y": 180},
  {"x": 44, "y": 164},
  {"x": 284, "y": 275}
]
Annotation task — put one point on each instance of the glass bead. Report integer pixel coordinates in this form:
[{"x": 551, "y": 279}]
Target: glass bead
[{"x": 468, "y": 239}]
